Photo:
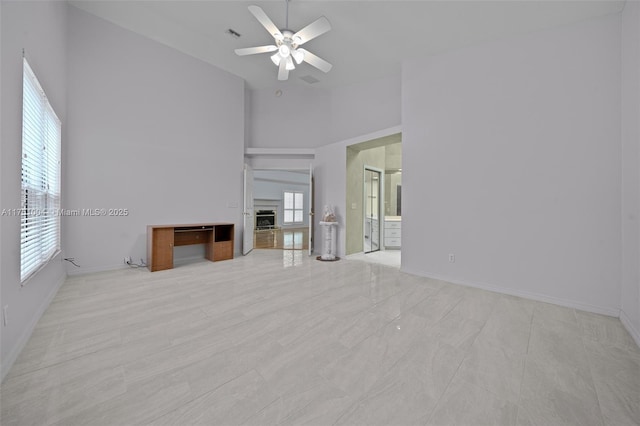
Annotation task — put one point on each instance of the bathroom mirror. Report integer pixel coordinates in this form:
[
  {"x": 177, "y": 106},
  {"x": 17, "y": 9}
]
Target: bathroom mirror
[{"x": 393, "y": 192}]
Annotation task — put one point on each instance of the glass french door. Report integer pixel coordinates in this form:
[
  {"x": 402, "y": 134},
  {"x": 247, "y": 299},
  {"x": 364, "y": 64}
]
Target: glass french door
[{"x": 372, "y": 208}]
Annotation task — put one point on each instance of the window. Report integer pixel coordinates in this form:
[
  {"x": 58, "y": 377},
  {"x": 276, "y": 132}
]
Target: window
[
  {"x": 41, "y": 138},
  {"x": 293, "y": 202}
]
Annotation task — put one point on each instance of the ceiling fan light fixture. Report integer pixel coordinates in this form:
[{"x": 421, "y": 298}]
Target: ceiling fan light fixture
[
  {"x": 284, "y": 50},
  {"x": 298, "y": 55},
  {"x": 289, "y": 65},
  {"x": 276, "y": 59}
]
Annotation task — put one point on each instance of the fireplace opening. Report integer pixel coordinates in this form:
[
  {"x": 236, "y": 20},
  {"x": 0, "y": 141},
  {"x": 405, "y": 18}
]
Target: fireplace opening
[{"x": 265, "y": 219}]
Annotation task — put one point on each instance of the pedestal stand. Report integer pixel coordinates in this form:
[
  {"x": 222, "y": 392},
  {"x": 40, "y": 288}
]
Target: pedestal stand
[{"x": 330, "y": 242}]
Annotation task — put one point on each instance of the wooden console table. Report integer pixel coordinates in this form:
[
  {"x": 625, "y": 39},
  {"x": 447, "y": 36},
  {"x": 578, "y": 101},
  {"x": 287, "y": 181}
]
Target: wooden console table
[{"x": 161, "y": 239}]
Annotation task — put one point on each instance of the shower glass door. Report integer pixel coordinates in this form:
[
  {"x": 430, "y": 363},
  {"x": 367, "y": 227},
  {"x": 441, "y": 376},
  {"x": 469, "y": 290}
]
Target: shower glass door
[{"x": 372, "y": 195}]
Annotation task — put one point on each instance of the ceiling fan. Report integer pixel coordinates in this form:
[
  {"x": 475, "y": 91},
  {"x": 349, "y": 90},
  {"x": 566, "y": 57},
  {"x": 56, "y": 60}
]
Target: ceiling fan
[{"x": 287, "y": 43}]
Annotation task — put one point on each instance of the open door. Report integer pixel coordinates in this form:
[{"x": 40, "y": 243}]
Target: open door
[
  {"x": 373, "y": 208},
  {"x": 311, "y": 208},
  {"x": 247, "y": 236}
]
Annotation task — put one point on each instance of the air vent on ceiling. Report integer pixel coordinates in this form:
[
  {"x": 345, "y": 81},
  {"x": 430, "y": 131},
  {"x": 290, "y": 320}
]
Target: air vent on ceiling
[
  {"x": 233, "y": 33},
  {"x": 309, "y": 79}
]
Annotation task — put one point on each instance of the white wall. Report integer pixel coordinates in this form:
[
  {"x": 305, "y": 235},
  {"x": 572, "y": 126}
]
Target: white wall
[
  {"x": 330, "y": 174},
  {"x": 309, "y": 118},
  {"x": 1, "y": 199},
  {"x": 151, "y": 130},
  {"x": 630, "y": 301},
  {"x": 39, "y": 28},
  {"x": 298, "y": 118},
  {"x": 365, "y": 107},
  {"x": 279, "y": 162},
  {"x": 511, "y": 160}
]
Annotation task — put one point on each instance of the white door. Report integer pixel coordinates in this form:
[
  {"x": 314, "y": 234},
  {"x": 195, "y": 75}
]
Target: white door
[
  {"x": 247, "y": 236},
  {"x": 311, "y": 209}
]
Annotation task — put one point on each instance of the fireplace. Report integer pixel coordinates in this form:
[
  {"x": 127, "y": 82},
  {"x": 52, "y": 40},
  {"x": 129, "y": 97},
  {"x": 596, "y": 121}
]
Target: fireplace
[{"x": 265, "y": 219}]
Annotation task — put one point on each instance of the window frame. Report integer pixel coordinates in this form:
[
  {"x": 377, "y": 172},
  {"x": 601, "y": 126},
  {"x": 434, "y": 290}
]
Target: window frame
[
  {"x": 294, "y": 209},
  {"x": 40, "y": 180}
]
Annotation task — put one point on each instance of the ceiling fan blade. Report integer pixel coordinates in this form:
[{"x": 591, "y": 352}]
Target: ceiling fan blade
[
  {"x": 283, "y": 72},
  {"x": 265, "y": 21},
  {"x": 316, "y": 61},
  {"x": 313, "y": 30},
  {"x": 254, "y": 50}
]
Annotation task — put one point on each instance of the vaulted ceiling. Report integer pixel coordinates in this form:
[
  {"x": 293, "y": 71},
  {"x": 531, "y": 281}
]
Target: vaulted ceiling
[{"x": 369, "y": 38}]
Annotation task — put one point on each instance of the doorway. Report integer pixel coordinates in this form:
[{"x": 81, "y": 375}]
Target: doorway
[
  {"x": 282, "y": 205},
  {"x": 383, "y": 155},
  {"x": 372, "y": 201}
]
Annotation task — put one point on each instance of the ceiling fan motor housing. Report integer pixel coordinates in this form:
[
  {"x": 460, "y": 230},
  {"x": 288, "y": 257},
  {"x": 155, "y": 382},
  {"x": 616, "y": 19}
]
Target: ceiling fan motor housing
[{"x": 287, "y": 44}]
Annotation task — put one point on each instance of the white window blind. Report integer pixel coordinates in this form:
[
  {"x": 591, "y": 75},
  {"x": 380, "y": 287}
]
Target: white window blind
[
  {"x": 293, "y": 205},
  {"x": 41, "y": 138}
]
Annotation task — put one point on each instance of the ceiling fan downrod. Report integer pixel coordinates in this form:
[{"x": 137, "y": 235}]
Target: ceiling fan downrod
[{"x": 286, "y": 22}]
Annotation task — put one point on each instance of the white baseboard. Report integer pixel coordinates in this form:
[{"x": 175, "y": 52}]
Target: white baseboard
[
  {"x": 569, "y": 303},
  {"x": 626, "y": 322},
  {"x": 11, "y": 358}
]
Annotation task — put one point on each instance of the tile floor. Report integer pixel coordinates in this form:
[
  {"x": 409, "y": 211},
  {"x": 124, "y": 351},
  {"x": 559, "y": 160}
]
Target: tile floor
[
  {"x": 282, "y": 238},
  {"x": 277, "y": 338},
  {"x": 382, "y": 257}
]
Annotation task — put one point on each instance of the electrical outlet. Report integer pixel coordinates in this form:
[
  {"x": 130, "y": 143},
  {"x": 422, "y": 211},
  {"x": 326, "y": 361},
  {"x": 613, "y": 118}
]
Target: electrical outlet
[
  {"x": 5, "y": 315},
  {"x": 127, "y": 259},
  {"x": 452, "y": 258}
]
